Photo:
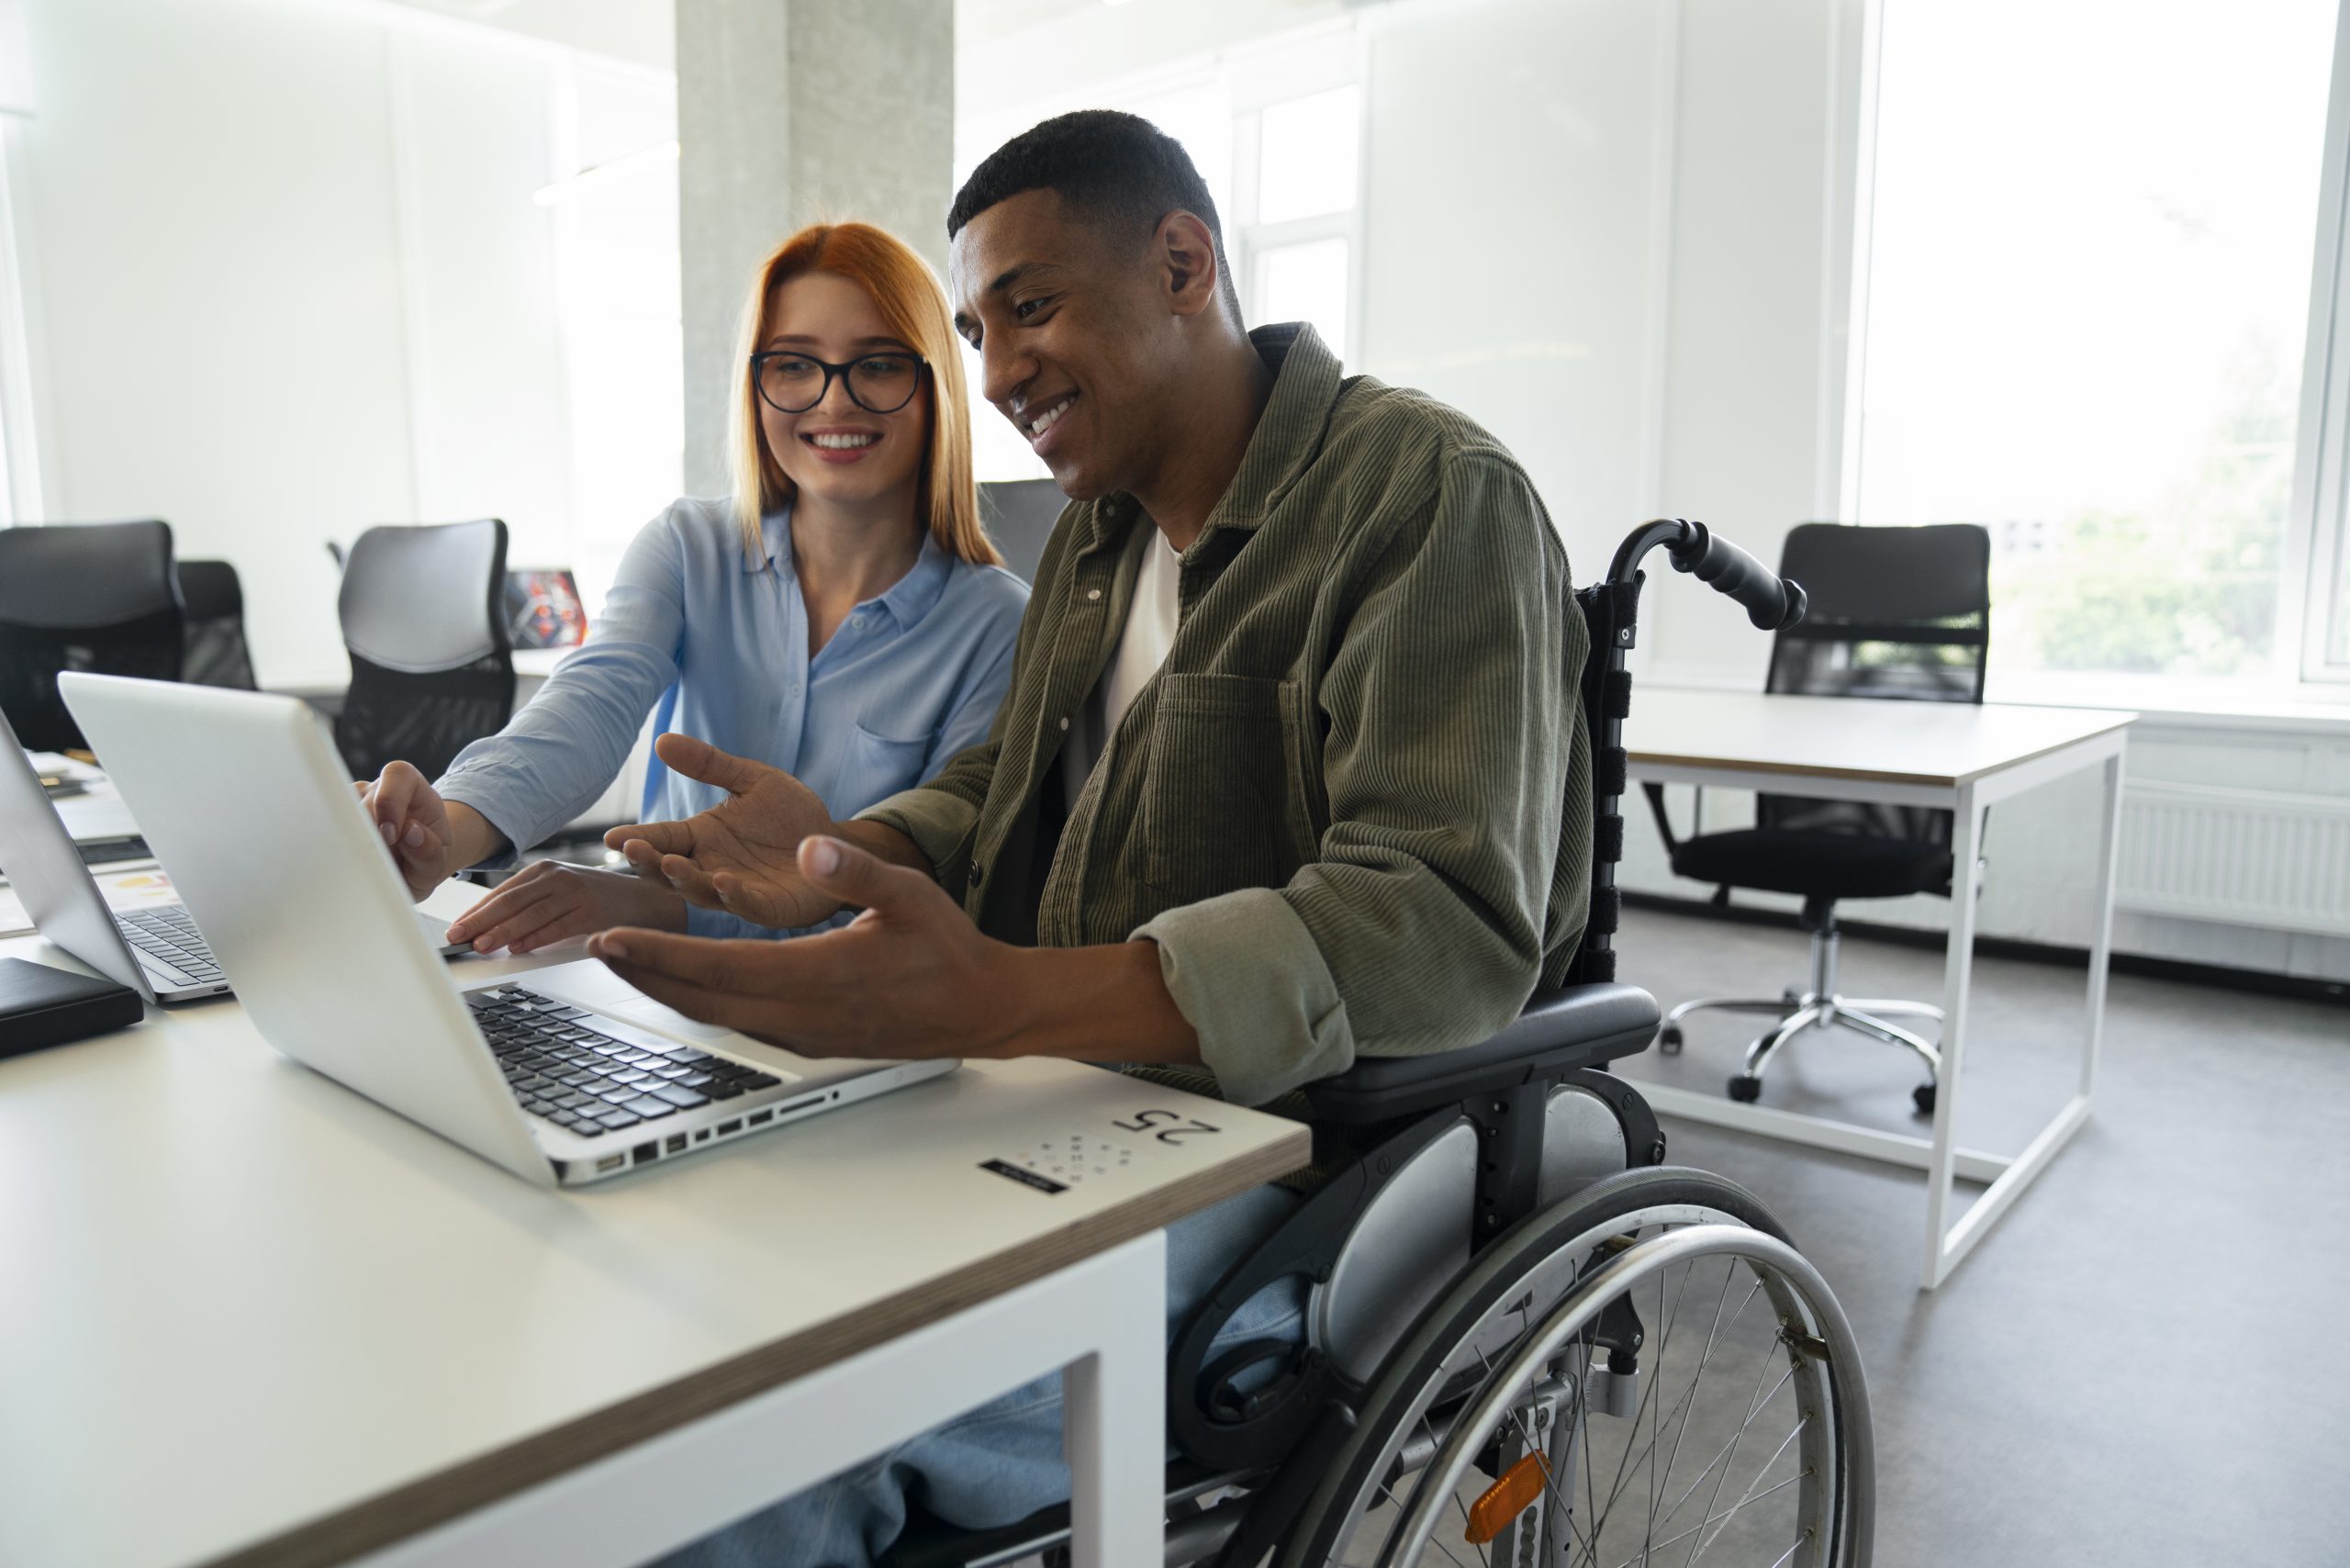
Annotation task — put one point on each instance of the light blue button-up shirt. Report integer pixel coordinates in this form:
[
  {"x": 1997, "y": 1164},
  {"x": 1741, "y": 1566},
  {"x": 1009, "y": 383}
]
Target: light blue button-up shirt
[{"x": 909, "y": 680}]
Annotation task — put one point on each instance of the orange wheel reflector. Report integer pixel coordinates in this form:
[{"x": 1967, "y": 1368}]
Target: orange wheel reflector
[{"x": 1507, "y": 1497}]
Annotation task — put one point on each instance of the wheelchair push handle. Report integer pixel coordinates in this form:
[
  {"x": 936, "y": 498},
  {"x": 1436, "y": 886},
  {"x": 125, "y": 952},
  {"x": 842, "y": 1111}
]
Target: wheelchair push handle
[{"x": 1772, "y": 602}]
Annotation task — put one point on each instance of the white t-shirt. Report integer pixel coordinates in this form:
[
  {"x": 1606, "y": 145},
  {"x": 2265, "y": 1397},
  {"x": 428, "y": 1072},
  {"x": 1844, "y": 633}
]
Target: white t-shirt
[{"x": 1149, "y": 632}]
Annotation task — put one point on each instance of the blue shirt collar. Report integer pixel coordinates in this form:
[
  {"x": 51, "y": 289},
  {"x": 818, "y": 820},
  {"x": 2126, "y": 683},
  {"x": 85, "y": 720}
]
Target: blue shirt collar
[{"x": 908, "y": 599}]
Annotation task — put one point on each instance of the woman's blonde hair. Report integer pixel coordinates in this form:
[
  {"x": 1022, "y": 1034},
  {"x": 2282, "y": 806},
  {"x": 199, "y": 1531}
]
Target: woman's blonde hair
[{"x": 913, "y": 307}]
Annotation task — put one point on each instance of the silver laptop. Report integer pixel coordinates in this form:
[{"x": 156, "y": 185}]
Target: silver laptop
[
  {"x": 157, "y": 951},
  {"x": 563, "y": 1074}
]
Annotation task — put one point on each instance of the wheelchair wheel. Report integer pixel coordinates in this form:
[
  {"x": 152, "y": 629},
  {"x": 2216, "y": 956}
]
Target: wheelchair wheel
[{"x": 1645, "y": 1372}]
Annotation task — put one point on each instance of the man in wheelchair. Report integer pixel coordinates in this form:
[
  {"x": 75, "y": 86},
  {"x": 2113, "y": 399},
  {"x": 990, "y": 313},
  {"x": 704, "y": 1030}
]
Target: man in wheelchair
[{"x": 1292, "y": 772}]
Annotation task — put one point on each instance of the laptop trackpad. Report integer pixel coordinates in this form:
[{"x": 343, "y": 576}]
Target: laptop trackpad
[{"x": 587, "y": 983}]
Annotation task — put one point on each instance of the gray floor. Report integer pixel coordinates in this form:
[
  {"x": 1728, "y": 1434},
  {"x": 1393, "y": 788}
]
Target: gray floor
[{"x": 2148, "y": 1360}]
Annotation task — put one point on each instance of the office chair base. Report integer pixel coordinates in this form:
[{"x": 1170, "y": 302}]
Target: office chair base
[{"x": 1817, "y": 1008}]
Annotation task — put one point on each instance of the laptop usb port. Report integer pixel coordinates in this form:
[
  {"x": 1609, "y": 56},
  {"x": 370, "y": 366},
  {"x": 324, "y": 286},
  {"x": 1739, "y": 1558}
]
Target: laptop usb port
[
  {"x": 610, "y": 1163},
  {"x": 726, "y": 1129},
  {"x": 677, "y": 1143},
  {"x": 760, "y": 1118}
]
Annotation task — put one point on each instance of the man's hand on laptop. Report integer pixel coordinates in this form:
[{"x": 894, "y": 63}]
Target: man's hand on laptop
[
  {"x": 945, "y": 983},
  {"x": 741, "y": 855}
]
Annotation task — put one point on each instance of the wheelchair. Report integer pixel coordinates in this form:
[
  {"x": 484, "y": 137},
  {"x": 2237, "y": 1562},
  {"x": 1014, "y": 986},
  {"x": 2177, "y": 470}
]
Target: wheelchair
[{"x": 1528, "y": 1340}]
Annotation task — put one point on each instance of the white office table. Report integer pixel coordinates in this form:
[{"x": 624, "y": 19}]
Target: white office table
[
  {"x": 1959, "y": 757},
  {"x": 248, "y": 1318}
]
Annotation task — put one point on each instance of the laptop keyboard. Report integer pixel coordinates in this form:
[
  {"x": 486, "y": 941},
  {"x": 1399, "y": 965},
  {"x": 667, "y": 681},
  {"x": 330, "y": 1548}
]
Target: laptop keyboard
[
  {"x": 170, "y": 938},
  {"x": 561, "y": 1068}
]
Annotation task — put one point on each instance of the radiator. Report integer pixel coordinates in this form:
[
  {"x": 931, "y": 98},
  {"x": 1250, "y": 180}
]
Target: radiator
[{"x": 2239, "y": 856}]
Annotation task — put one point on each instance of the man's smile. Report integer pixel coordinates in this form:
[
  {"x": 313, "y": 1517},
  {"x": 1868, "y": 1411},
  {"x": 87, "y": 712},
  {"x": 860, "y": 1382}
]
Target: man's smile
[{"x": 1035, "y": 425}]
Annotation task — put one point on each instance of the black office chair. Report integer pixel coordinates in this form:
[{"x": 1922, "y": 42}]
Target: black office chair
[
  {"x": 1895, "y": 612},
  {"x": 431, "y": 667},
  {"x": 1505, "y": 1283},
  {"x": 1019, "y": 515},
  {"x": 94, "y": 596},
  {"x": 214, "y": 605}
]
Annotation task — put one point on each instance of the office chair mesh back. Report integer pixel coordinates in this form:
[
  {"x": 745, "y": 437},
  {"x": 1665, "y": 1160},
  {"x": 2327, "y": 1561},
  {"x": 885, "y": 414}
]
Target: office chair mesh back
[
  {"x": 97, "y": 597},
  {"x": 216, "y": 655},
  {"x": 1020, "y": 515},
  {"x": 432, "y": 665},
  {"x": 1902, "y": 613}
]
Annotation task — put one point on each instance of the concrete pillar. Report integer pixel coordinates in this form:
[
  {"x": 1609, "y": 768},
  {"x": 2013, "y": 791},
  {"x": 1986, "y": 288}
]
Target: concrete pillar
[{"x": 792, "y": 112}]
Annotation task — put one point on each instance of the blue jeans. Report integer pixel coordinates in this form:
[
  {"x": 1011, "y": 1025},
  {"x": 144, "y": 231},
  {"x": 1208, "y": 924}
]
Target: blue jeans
[{"x": 1001, "y": 1462}]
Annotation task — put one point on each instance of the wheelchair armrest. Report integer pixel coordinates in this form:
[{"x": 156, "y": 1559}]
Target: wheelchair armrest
[{"x": 1577, "y": 1026}]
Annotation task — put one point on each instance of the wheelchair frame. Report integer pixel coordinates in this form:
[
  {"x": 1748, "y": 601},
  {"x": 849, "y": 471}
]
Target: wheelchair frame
[{"x": 1533, "y": 1110}]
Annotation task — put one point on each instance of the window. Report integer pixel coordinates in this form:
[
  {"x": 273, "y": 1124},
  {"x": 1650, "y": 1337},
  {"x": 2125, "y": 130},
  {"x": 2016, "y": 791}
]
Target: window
[
  {"x": 2089, "y": 284},
  {"x": 1300, "y": 230},
  {"x": 617, "y": 279},
  {"x": 20, "y": 498},
  {"x": 1277, "y": 134}
]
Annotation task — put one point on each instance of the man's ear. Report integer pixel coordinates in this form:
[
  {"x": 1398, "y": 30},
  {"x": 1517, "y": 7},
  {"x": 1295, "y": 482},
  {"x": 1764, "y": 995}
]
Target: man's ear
[{"x": 1187, "y": 261}]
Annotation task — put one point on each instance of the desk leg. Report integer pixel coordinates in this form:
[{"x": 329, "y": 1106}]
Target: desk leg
[
  {"x": 1966, "y": 837},
  {"x": 1114, "y": 1424},
  {"x": 2101, "y": 940}
]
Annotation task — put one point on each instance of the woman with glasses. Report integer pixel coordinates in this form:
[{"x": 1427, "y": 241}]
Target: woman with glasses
[{"x": 842, "y": 616}]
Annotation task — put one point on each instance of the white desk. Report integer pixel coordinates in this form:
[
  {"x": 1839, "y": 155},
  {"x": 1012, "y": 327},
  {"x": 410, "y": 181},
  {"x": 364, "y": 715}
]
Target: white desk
[
  {"x": 247, "y": 1318},
  {"x": 1955, "y": 755}
]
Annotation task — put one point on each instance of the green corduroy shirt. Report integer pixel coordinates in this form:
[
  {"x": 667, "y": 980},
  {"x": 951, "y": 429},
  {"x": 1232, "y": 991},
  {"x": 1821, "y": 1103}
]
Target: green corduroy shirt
[{"x": 1353, "y": 807}]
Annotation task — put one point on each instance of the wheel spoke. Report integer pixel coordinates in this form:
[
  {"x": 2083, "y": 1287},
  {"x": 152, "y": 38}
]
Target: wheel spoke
[
  {"x": 1751, "y": 1494},
  {"x": 1730, "y": 1452},
  {"x": 1680, "y": 1406},
  {"x": 1714, "y": 1519},
  {"x": 1704, "y": 1359},
  {"x": 1429, "y": 1426}
]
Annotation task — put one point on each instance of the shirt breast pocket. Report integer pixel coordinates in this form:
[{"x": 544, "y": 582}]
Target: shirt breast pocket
[
  {"x": 1224, "y": 797},
  {"x": 875, "y": 767}
]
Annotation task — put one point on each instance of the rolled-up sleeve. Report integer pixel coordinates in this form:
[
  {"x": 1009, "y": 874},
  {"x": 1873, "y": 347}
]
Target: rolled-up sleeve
[
  {"x": 1448, "y": 721},
  {"x": 568, "y": 743}
]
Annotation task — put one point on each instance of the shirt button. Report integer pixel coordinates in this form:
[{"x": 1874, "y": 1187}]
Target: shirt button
[
  {"x": 1064, "y": 723},
  {"x": 1094, "y": 593},
  {"x": 975, "y": 873}
]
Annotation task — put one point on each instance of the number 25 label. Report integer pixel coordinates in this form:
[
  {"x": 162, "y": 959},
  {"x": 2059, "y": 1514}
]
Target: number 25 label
[{"x": 1169, "y": 1126}]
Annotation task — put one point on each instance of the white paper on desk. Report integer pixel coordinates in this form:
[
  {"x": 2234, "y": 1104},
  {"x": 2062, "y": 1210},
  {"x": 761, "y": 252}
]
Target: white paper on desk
[
  {"x": 14, "y": 921},
  {"x": 141, "y": 887}
]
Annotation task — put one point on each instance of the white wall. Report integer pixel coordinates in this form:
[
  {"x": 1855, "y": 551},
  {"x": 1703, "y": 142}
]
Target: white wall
[
  {"x": 292, "y": 283},
  {"x": 1516, "y": 242},
  {"x": 222, "y": 299}
]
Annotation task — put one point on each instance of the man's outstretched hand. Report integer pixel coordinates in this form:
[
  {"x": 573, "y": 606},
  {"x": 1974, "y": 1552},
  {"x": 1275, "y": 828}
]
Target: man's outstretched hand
[
  {"x": 911, "y": 976},
  {"x": 741, "y": 855}
]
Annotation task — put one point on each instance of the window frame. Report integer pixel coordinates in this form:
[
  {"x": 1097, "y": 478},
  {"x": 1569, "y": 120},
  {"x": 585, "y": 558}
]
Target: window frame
[
  {"x": 1318, "y": 63},
  {"x": 2317, "y": 545}
]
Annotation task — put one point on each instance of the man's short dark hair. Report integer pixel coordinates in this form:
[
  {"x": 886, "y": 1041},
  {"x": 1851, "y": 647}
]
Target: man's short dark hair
[{"x": 1116, "y": 170}]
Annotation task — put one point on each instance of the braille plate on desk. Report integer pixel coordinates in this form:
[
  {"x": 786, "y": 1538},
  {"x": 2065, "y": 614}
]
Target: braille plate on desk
[{"x": 1054, "y": 1165}]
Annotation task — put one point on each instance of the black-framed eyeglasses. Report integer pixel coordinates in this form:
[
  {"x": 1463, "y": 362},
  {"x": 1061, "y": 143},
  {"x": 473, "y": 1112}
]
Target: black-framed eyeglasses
[{"x": 791, "y": 381}]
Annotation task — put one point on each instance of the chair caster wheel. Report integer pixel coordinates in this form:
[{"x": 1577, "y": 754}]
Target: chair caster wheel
[
  {"x": 1923, "y": 1098},
  {"x": 1667, "y": 1040},
  {"x": 1746, "y": 1089}
]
